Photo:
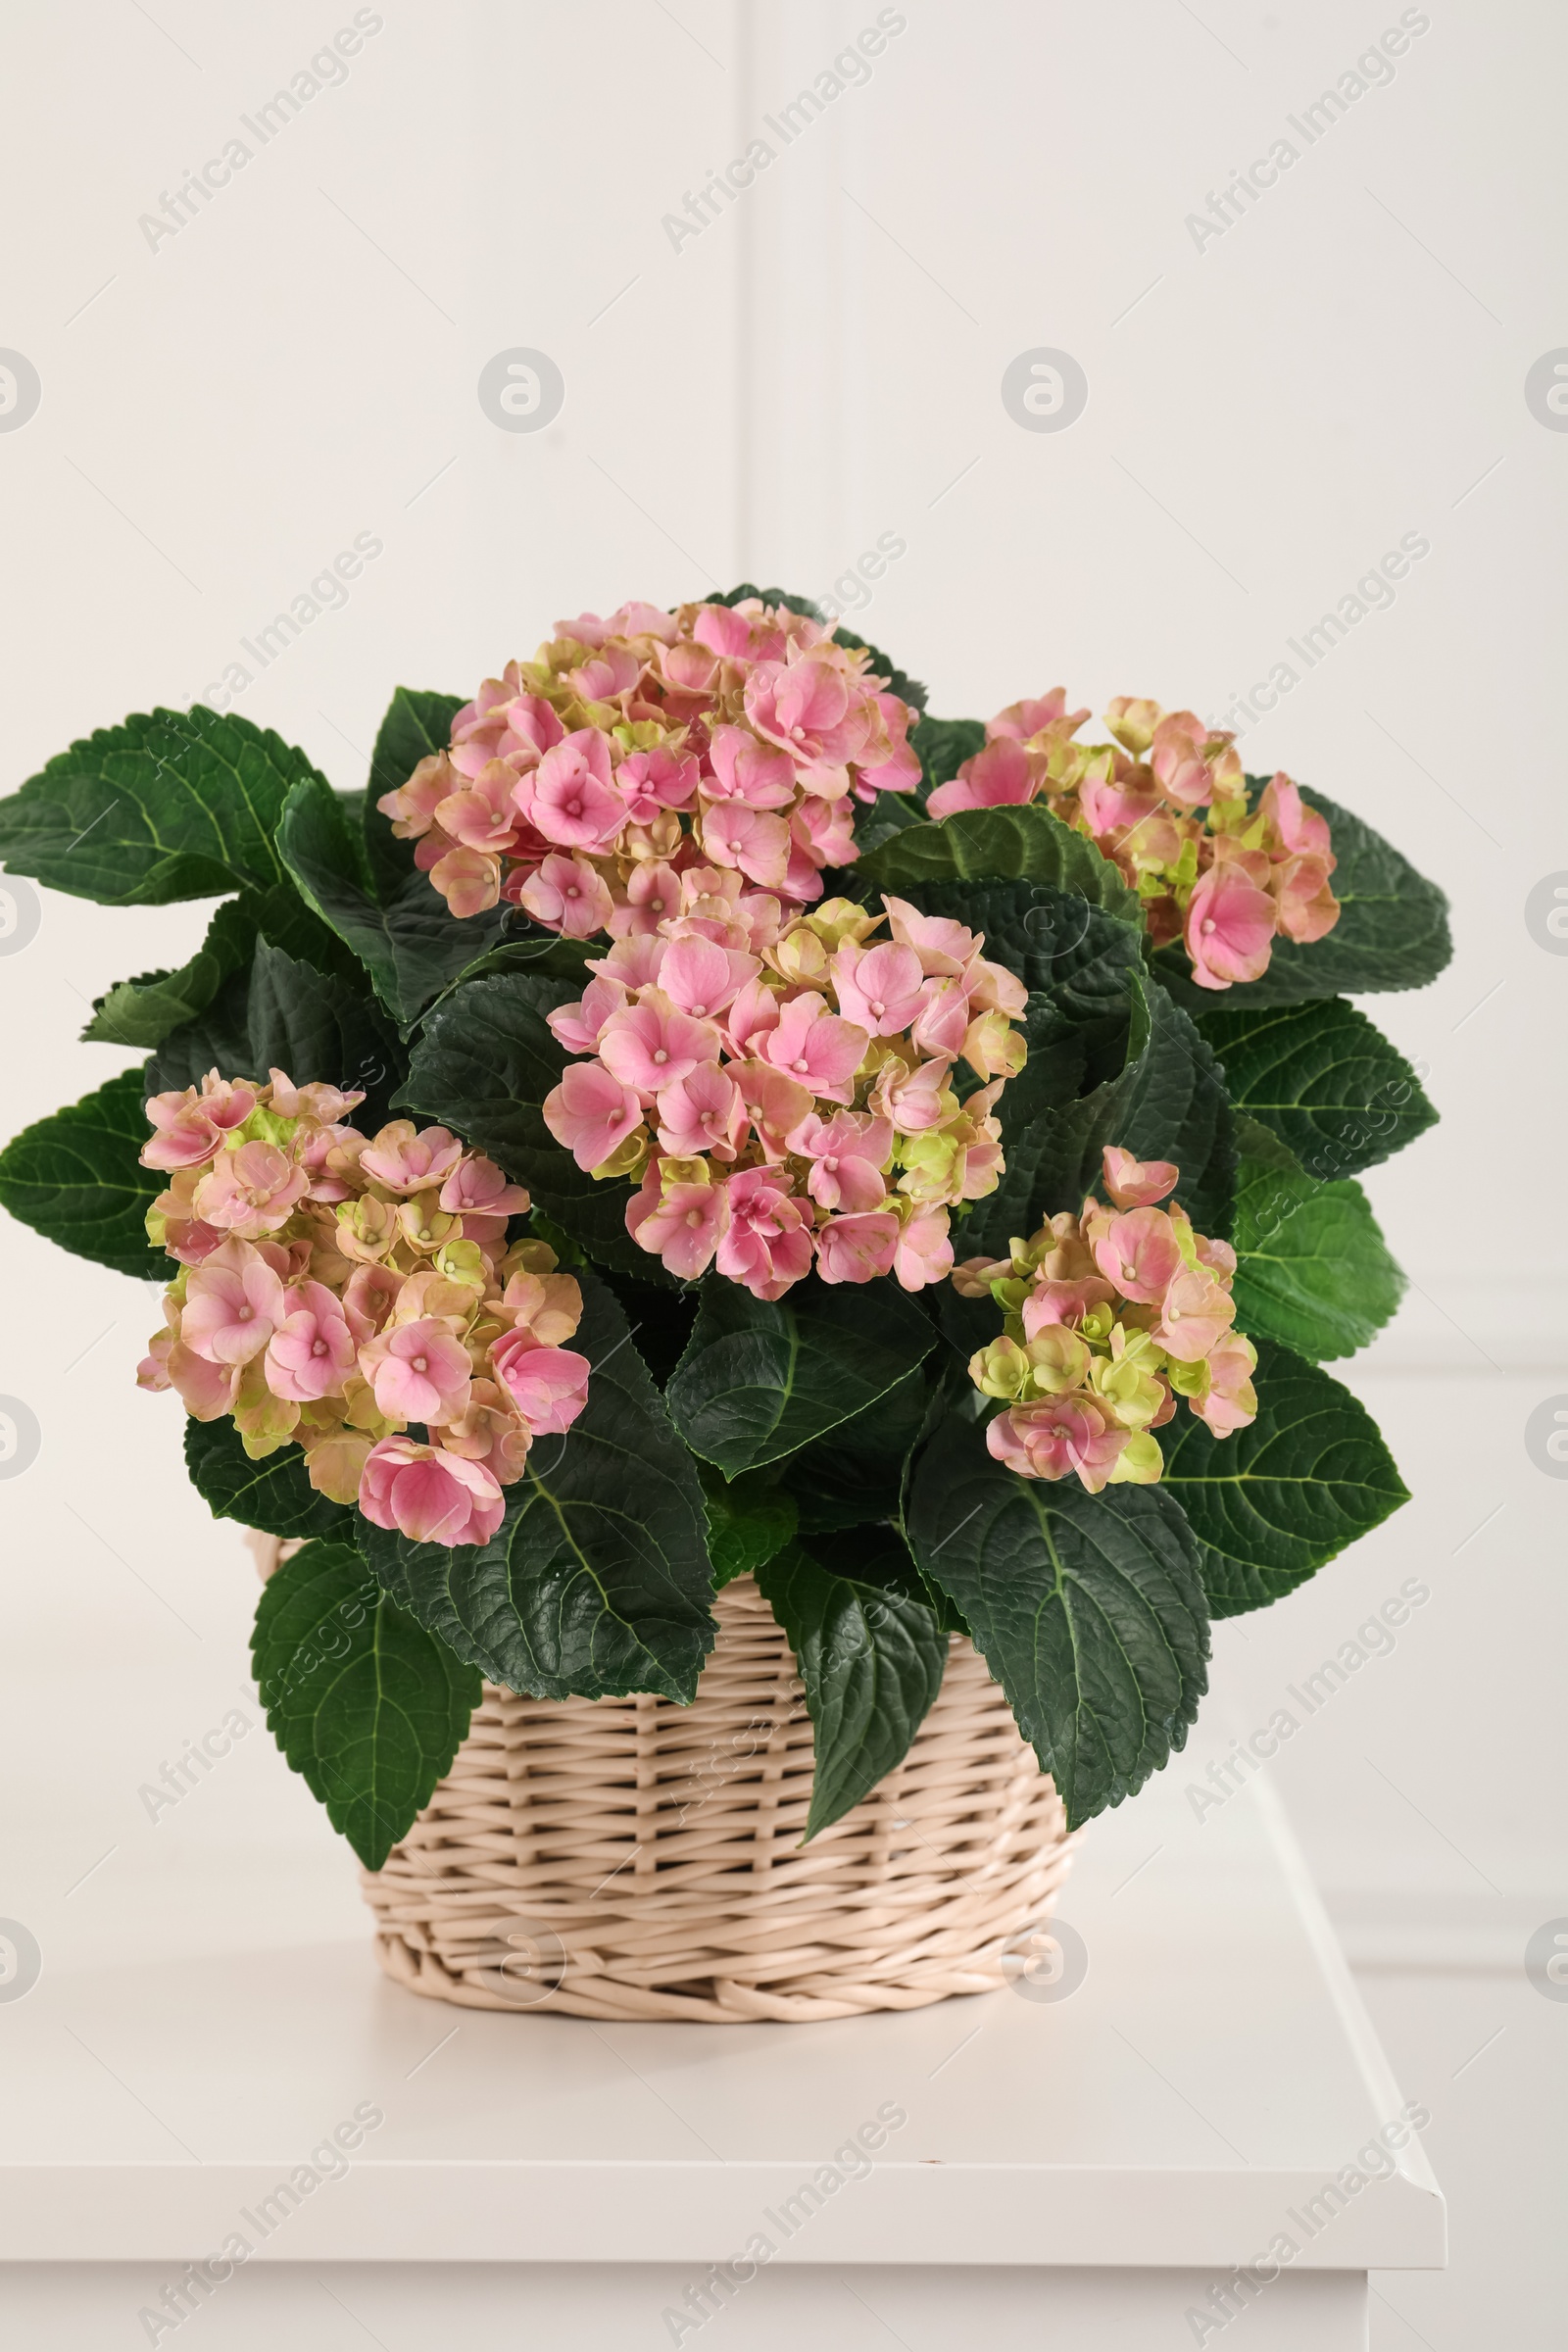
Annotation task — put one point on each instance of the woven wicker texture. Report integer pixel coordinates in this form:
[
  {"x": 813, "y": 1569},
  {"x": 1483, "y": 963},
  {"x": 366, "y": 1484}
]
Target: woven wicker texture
[{"x": 632, "y": 1859}]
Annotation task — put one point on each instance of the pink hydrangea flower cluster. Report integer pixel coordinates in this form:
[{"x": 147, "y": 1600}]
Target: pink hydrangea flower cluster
[
  {"x": 1110, "y": 1316},
  {"x": 1167, "y": 803},
  {"x": 337, "y": 1289},
  {"x": 583, "y": 785},
  {"x": 790, "y": 1103}
]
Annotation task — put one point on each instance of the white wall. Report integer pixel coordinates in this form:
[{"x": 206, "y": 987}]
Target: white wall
[{"x": 818, "y": 367}]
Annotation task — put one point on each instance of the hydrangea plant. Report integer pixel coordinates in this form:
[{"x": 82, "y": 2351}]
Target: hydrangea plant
[{"x": 693, "y": 1113}]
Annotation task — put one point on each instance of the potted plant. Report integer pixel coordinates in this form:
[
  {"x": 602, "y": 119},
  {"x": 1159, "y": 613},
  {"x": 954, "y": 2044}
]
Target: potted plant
[{"x": 760, "y": 1263}]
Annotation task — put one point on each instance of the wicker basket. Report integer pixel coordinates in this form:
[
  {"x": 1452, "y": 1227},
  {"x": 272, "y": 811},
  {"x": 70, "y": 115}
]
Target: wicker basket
[{"x": 633, "y": 1859}]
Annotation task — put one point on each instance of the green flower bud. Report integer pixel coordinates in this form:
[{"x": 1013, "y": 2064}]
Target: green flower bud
[
  {"x": 264, "y": 1126},
  {"x": 1058, "y": 1361},
  {"x": 1000, "y": 1370},
  {"x": 1131, "y": 1394},
  {"x": 1139, "y": 1463},
  {"x": 462, "y": 1262},
  {"x": 627, "y": 1158}
]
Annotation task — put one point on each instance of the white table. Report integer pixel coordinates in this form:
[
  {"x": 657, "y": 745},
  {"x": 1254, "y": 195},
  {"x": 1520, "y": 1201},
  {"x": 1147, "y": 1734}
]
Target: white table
[{"x": 1083, "y": 2172}]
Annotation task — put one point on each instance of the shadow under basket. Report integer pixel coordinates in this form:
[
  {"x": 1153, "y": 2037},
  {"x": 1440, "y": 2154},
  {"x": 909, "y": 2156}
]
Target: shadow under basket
[{"x": 628, "y": 1858}]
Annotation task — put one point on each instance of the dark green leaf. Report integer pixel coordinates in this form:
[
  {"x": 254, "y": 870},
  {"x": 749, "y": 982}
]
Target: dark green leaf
[
  {"x": 484, "y": 1062},
  {"x": 314, "y": 1027},
  {"x": 943, "y": 744},
  {"x": 1079, "y": 966},
  {"x": 417, "y": 722},
  {"x": 966, "y": 1324},
  {"x": 367, "y": 1706},
  {"x": 777, "y": 598},
  {"x": 996, "y": 844},
  {"x": 874, "y": 1554},
  {"x": 1264, "y": 1146},
  {"x": 871, "y": 1656},
  {"x": 660, "y": 1314},
  {"x": 1087, "y": 1609},
  {"x": 1053, "y": 1152},
  {"x": 1392, "y": 931},
  {"x": 384, "y": 908},
  {"x": 143, "y": 989},
  {"x": 75, "y": 1178},
  {"x": 1111, "y": 1060},
  {"x": 1272, "y": 1502},
  {"x": 1166, "y": 1104},
  {"x": 141, "y": 1013},
  {"x": 1324, "y": 1078},
  {"x": 855, "y": 1473},
  {"x": 598, "y": 1581},
  {"x": 170, "y": 806},
  {"x": 1180, "y": 1111},
  {"x": 218, "y": 1039},
  {"x": 300, "y": 1003},
  {"x": 283, "y": 920},
  {"x": 948, "y": 1616},
  {"x": 877, "y": 1554},
  {"x": 526, "y": 948},
  {"x": 160, "y": 1006},
  {"x": 273, "y": 1493},
  {"x": 1312, "y": 1267},
  {"x": 759, "y": 1379},
  {"x": 877, "y": 821},
  {"x": 1086, "y": 1024},
  {"x": 749, "y": 1519}
]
